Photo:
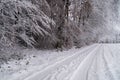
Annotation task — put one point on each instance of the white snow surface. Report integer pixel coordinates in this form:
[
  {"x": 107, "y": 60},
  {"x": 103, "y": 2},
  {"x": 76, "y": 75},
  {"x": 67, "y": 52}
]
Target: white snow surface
[{"x": 95, "y": 62}]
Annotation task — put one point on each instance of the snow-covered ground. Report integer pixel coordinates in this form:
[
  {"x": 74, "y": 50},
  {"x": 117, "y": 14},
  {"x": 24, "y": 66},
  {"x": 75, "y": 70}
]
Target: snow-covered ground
[
  {"x": 33, "y": 61},
  {"x": 95, "y": 62}
]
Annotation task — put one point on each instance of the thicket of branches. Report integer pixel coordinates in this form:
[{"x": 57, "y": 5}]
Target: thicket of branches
[{"x": 50, "y": 24}]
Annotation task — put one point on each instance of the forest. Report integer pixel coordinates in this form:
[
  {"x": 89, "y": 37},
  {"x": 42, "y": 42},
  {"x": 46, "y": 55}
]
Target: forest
[
  {"x": 56, "y": 24},
  {"x": 59, "y": 39}
]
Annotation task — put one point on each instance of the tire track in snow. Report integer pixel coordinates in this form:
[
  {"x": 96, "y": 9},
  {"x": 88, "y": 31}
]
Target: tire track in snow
[
  {"x": 61, "y": 75},
  {"x": 94, "y": 67},
  {"x": 81, "y": 72},
  {"x": 116, "y": 65},
  {"x": 75, "y": 63},
  {"x": 108, "y": 72},
  {"x": 88, "y": 71},
  {"x": 47, "y": 71}
]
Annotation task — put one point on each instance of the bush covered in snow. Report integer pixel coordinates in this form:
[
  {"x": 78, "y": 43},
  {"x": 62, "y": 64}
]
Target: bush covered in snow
[{"x": 23, "y": 23}]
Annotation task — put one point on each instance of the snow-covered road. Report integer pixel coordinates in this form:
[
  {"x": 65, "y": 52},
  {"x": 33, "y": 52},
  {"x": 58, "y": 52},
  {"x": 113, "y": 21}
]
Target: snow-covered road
[{"x": 95, "y": 62}]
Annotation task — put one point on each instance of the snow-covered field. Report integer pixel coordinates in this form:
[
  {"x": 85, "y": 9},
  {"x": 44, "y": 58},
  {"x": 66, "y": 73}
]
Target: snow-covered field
[{"x": 95, "y": 62}]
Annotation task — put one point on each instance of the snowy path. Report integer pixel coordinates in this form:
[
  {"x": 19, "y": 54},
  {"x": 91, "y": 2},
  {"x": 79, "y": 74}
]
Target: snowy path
[
  {"x": 96, "y": 62},
  {"x": 100, "y": 65}
]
